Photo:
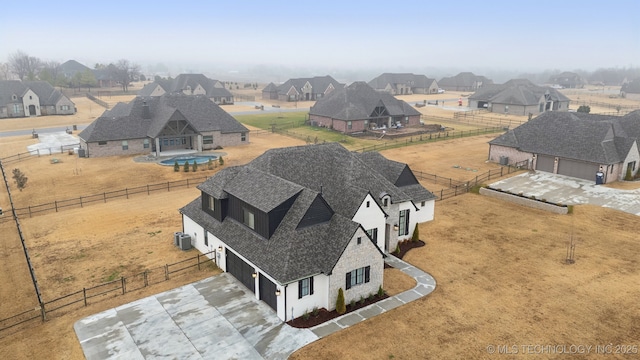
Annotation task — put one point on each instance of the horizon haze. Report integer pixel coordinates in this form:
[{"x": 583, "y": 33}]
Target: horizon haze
[{"x": 352, "y": 37}]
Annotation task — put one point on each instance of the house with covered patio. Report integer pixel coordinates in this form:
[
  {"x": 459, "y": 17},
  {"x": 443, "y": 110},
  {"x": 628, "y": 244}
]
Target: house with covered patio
[
  {"x": 152, "y": 125},
  {"x": 358, "y": 107}
]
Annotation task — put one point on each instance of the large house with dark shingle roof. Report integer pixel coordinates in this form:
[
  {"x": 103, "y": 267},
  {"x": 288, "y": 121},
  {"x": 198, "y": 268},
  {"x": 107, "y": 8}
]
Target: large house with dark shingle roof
[
  {"x": 297, "y": 224},
  {"x": 464, "y": 81},
  {"x": 568, "y": 80},
  {"x": 631, "y": 90},
  {"x": 358, "y": 107},
  {"x": 301, "y": 89},
  {"x": 404, "y": 84},
  {"x": 519, "y": 97},
  {"x": 32, "y": 98},
  {"x": 190, "y": 84},
  {"x": 151, "y": 125},
  {"x": 574, "y": 144}
]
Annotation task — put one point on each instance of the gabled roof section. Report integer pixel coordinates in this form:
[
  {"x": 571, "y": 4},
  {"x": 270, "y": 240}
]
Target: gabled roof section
[
  {"x": 8, "y": 88},
  {"x": 47, "y": 94},
  {"x": 126, "y": 121},
  {"x": 464, "y": 79},
  {"x": 632, "y": 87},
  {"x": 358, "y": 101},
  {"x": 318, "y": 84},
  {"x": 260, "y": 189},
  {"x": 516, "y": 92},
  {"x": 594, "y": 138},
  {"x": 409, "y": 79},
  {"x": 319, "y": 212},
  {"x": 271, "y": 87},
  {"x": 187, "y": 81},
  {"x": 71, "y": 67}
]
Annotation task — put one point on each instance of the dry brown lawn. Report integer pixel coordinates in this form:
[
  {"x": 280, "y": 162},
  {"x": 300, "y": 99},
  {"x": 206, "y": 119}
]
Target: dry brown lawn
[{"x": 501, "y": 279}]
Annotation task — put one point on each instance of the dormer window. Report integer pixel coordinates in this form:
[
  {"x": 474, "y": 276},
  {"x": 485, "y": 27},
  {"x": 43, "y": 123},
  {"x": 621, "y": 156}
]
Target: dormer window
[
  {"x": 248, "y": 218},
  {"x": 385, "y": 201}
]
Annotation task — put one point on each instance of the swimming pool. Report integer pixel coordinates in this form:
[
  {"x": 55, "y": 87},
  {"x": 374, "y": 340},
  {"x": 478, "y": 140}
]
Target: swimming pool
[{"x": 199, "y": 159}]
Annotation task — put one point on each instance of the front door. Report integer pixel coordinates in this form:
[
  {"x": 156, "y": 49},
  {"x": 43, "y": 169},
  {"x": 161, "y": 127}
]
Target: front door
[{"x": 32, "y": 110}]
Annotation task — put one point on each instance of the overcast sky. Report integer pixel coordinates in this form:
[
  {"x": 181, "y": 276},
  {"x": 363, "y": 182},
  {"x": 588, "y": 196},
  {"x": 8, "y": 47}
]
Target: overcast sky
[{"x": 516, "y": 35}]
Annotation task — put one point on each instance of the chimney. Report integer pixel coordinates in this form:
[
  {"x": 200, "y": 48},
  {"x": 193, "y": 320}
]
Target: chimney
[{"x": 146, "y": 114}]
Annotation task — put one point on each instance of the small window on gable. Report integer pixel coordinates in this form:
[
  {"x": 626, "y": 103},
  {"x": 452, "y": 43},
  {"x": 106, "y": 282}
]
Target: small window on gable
[
  {"x": 14, "y": 97},
  {"x": 423, "y": 203},
  {"x": 359, "y": 240},
  {"x": 385, "y": 202},
  {"x": 368, "y": 203},
  {"x": 30, "y": 97}
]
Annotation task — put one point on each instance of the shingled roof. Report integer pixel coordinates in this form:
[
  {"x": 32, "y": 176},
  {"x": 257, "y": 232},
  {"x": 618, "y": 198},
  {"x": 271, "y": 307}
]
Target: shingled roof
[
  {"x": 632, "y": 87},
  {"x": 318, "y": 84},
  {"x": 8, "y": 88},
  {"x": 126, "y": 121},
  {"x": 47, "y": 94},
  {"x": 358, "y": 101},
  {"x": 516, "y": 92},
  {"x": 184, "y": 81},
  {"x": 464, "y": 79},
  {"x": 413, "y": 80},
  {"x": 593, "y": 138},
  {"x": 341, "y": 178}
]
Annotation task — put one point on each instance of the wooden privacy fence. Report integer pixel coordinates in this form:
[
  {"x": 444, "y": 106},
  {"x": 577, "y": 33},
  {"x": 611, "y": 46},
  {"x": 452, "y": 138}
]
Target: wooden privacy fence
[
  {"x": 81, "y": 201},
  {"x": 115, "y": 287}
]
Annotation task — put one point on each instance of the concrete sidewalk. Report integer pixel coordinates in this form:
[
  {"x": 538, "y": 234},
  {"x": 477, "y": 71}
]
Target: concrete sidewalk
[
  {"x": 571, "y": 191},
  {"x": 217, "y": 318}
]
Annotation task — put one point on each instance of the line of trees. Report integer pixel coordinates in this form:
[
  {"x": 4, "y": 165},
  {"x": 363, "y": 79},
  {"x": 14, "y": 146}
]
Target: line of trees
[{"x": 26, "y": 67}]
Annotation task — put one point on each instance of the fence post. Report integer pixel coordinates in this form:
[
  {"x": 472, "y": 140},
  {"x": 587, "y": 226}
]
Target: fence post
[
  {"x": 104, "y": 196},
  {"x": 43, "y": 312},
  {"x": 501, "y": 172},
  {"x": 80, "y": 201},
  {"x": 126, "y": 192},
  {"x": 123, "y": 284},
  {"x": 146, "y": 281},
  {"x": 29, "y": 210},
  {"x": 168, "y": 186},
  {"x": 84, "y": 295},
  {"x": 187, "y": 182},
  {"x": 198, "y": 261},
  {"x": 166, "y": 272},
  {"x": 147, "y": 189},
  {"x": 56, "y": 205}
]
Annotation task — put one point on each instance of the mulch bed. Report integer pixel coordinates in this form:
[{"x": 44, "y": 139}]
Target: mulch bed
[{"x": 324, "y": 315}]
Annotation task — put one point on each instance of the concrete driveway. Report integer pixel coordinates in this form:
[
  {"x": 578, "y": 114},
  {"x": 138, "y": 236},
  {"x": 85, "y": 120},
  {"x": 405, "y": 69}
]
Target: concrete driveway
[
  {"x": 215, "y": 318},
  {"x": 571, "y": 191}
]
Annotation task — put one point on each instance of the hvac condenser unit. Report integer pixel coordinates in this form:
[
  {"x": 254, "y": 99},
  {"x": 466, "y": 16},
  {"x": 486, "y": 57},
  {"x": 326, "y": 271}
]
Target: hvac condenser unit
[
  {"x": 176, "y": 238},
  {"x": 185, "y": 242}
]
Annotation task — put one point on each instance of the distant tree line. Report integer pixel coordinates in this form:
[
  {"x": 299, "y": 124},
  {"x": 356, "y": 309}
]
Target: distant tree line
[{"x": 25, "y": 67}]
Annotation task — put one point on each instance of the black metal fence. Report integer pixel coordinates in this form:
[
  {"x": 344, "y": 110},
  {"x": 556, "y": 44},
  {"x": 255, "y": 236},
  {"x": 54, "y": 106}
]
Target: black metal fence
[{"x": 58, "y": 205}]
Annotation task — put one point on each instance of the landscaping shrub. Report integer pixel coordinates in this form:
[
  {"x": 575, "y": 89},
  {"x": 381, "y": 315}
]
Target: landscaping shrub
[
  {"x": 210, "y": 164},
  {"x": 341, "y": 308},
  {"x": 195, "y": 166},
  {"x": 221, "y": 161},
  {"x": 315, "y": 311},
  {"x": 416, "y": 234},
  {"x": 306, "y": 315},
  {"x": 176, "y": 167},
  {"x": 186, "y": 166},
  {"x": 628, "y": 176},
  {"x": 380, "y": 291}
]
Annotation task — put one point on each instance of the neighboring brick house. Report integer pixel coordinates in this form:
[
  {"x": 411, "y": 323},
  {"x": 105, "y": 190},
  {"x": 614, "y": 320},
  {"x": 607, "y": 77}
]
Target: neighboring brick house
[
  {"x": 297, "y": 224},
  {"x": 464, "y": 81},
  {"x": 358, "y": 107},
  {"x": 301, "y": 89},
  {"x": 573, "y": 144},
  {"x": 519, "y": 97},
  {"x": 151, "y": 125},
  {"x": 71, "y": 68},
  {"x": 190, "y": 84},
  {"x": 568, "y": 80},
  {"x": 32, "y": 98},
  {"x": 404, "y": 84},
  {"x": 631, "y": 90}
]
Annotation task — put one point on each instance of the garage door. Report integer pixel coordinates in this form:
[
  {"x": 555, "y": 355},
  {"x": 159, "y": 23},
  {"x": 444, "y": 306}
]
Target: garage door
[
  {"x": 240, "y": 270},
  {"x": 545, "y": 163},
  {"x": 268, "y": 292},
  {"x": 578, "y": 169}
]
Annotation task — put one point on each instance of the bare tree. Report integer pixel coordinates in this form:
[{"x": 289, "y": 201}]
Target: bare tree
[
  {"x": 124, "y": 72},
  {"x": 50, "y": 72},
  {"x": 20, "y": 179},
  {"x": 4, "y": 71},
  {"x": 24, "y": 66}
]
